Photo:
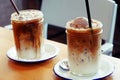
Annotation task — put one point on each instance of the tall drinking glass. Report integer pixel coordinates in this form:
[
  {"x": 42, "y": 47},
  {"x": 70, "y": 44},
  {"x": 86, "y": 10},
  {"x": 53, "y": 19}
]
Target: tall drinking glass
[
  {"x": 84, "y": 46},
  {"x": 28, "y": 33}
]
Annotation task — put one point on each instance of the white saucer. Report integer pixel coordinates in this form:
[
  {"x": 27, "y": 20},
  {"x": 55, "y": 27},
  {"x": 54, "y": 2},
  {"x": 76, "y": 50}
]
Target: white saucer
[
  {"x": 50, "y": 51},
  {"x": 106, "y": 68}
]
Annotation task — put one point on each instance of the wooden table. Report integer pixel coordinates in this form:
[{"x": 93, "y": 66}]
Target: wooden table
[{"x": 11, "y": 70}]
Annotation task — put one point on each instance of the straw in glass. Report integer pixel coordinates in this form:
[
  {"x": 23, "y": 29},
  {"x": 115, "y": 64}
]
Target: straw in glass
[
  {"x": 88, "y": 13},
  {"x": 15, "y": 7}
]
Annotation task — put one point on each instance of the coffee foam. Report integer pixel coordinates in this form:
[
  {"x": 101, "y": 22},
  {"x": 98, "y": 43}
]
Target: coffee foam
[
  {"x": 27, "y": 15},
  {"x": 82, "y": 23},
  {"x": 79, "y": 23}
]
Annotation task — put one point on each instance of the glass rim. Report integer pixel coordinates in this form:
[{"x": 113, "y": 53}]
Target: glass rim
[
  {"x": 40, "y": 16},
  {"x": 88, "y": 34}
]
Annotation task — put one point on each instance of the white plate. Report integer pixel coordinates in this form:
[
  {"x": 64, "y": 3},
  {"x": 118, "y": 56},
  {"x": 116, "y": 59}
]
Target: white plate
[
  {"x": 106, "y": 68},
  {"x": 49, "y": 51}
]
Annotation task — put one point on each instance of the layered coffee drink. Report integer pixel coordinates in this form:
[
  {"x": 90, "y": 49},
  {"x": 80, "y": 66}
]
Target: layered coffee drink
[
  {"x": 84, "y": 45},
  {"x": 28, "y": 33}
]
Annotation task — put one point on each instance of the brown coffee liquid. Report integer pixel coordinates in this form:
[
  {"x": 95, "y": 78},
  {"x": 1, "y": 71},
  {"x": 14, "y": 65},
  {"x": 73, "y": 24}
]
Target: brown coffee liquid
[{"x": 28, "y": 33}]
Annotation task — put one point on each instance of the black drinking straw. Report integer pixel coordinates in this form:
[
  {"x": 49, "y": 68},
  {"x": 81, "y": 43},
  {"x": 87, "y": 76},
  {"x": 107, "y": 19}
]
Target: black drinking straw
[
  {"x": 88, "y": 13},
  {"x": 15, "y": 7}
]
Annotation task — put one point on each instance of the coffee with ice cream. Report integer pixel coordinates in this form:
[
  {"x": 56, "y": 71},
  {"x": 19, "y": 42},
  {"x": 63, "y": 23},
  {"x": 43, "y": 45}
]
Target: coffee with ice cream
[{"x": 84, "y": 46}]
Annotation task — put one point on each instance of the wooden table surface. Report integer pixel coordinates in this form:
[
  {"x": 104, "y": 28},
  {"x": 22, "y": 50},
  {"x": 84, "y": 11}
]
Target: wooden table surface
[{"x": 11, "y": 70}]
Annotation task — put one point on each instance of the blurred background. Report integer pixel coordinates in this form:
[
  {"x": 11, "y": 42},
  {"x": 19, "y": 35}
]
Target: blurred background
[{"x": 54, "y": 32}]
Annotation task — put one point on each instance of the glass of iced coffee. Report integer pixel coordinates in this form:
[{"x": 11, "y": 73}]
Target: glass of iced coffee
[
  {"x": 84, "y": 46},
  {"x": 28, "y": 33}
]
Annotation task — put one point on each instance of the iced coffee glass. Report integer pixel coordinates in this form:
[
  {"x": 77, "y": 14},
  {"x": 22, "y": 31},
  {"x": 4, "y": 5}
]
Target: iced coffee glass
[
  {"x": 28, "y": 33},
  {"x": 84, "y": 46}
]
